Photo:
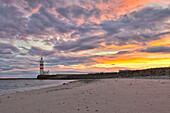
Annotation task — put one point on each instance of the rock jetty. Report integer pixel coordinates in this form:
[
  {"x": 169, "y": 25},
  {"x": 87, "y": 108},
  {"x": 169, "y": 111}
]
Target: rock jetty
[{"x": 152, "y": 72}]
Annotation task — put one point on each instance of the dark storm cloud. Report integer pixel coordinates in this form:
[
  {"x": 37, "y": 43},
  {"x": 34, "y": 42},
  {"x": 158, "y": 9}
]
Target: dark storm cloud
[
  {"x": 6, "y": 1},
  {"x": 163, "y": 33},
  {"x": 8, "y": 46},
  {"x": 15, "y": 25},
  {"x": 8, "y": 50},
  {"x": 137, "y": 27},
  {"x": 43, "y": 20},
  {"x": 111, "y": 27},
  {"x": 12, "y": 22},
  {"x": 69, "y": 60},
  {"x": 86, "y": 29},
  {"x": 141, "y": 26},
  {"x": 39, "y": 51},
  {"x": 76, "y": 11},
  {"x": 18, "y": 3},
  {"x": 46, "y": 3},
  {"x": 157, "y": 49},
  {"x": 80, "y": 44}
]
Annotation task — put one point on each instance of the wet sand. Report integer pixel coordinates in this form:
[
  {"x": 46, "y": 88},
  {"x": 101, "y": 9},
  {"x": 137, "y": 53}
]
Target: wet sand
[{"x": 93, "y": 96}]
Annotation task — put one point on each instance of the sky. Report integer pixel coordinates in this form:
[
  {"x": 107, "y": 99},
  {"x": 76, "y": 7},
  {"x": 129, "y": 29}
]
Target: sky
[{"x": 83, "y": 36}]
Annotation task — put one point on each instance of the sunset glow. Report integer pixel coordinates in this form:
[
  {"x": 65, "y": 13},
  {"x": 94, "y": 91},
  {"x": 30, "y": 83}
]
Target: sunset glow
[{"x": 83, "y": 36}]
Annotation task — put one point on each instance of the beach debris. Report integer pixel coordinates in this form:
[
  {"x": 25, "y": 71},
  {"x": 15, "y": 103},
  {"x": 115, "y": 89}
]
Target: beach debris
[{"x": 96, "y": 110}]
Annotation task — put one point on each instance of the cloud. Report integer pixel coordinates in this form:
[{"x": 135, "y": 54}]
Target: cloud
[
  {"x": 46, "y": 3},
  {"x": 16, "y": 66},
  {"x": 43, "y": 22},
  {"x": 157, "y": 49},
  {"x": 12, "y": 22},
  {"x": 122, "y": 52},
  {"x": 69, "y": 60},
  {"x": 129, "y": 29},
  {"x": 83, "y": 44},
  {"x": 39, "y": 51},
  {"x": 20, "y": 74},
  {"x": 141, "y": 26},
  {"x": 8, "y": 50},
  {"x": 7, "y": 68},
  {"x": 77, "y": 28},
  {"x": 75, "y": 11},
  {"x": 86, "y": 29}
]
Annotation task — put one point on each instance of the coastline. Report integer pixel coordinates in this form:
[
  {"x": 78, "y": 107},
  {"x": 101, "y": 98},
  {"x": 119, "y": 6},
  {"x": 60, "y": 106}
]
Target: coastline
[
  {"x": 104, "y": 95},
  {"x": 12, "y": 86}
]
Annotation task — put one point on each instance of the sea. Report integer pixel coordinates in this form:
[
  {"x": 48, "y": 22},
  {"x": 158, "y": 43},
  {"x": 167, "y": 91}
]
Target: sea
[{"x": 12, "y": 86}]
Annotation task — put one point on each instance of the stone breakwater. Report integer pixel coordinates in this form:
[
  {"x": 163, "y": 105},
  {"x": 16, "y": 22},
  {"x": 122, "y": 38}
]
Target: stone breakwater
[{"x": 152, "y": 72}]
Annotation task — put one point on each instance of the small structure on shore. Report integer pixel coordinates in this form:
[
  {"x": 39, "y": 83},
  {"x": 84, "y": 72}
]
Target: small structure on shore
[
  {"x": 46, "y": 72},
  {"x": 42, "y": 72}
]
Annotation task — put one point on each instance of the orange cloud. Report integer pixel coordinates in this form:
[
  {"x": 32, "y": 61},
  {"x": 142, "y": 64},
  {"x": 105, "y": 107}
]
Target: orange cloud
[
  {"x": 164, "y": 41},
  {"x": 133, "y": 3},
  {"x": 36, "y": 9},
  {"x": 114, "y": 9},
  {"x": 116, "y": 47},
  {"x": 136, "y": 60},
  {"x": 93, "y": 69}
]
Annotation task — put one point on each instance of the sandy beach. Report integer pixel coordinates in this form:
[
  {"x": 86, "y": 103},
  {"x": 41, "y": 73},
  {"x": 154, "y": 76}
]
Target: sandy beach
[{"x": 93, "y": 96}]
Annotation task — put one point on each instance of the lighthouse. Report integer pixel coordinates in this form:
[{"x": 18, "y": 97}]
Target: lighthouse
[{"x": 41, "y": 66}]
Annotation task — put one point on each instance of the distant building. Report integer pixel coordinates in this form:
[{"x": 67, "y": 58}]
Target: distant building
[
  {"x": 46, "y": 72},
  {"x": 124, "y": 70}
]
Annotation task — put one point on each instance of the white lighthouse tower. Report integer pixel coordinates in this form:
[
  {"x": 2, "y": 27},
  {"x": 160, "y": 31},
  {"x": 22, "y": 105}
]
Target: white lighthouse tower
[{"x": 41, "y": 66}]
